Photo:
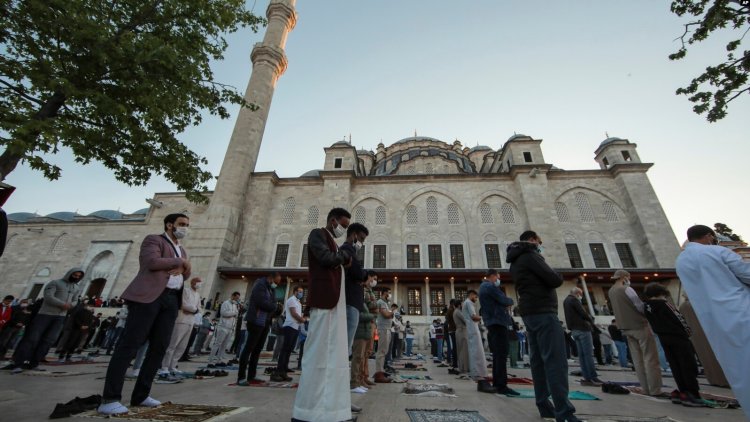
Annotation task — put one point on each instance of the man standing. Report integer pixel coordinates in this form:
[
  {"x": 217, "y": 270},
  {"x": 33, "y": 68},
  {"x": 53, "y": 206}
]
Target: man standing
[
  {"x": 153, "y": 298},
  {"x": 355, "y": 237},
  {"x": 371, "y": 303},
  {"x": 260, "y": 310},
  {"x": 535, "y": 284},
  {"x": 383, "y": 321},
  {"x": 451, "y": 336},
  {"x": 580, "y": 324},
  {"x": 628, "y": 309},
  {"x": 494, "y": 311},
  {"x": 203, "y": 329},
  {"x": 290, "y": 330},
  {"x": 182, "y": 328},
  {"x": 477, "y": 358},
  {"x": 717, "y": 282},
  {"x": 19, "y": 319},
  {"x": 225, "y": 329},
  {"x": 59, "y": 296},
  {"x": 323, "y": 393},
  {"x": 620, "y": 344}
]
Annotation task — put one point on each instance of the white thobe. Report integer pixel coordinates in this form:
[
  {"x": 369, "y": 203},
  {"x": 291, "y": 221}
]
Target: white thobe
[
  {"x": 717, "y": 282},
  {"x": 323, "y": 393},
  {"x": 477, "y": 359}
]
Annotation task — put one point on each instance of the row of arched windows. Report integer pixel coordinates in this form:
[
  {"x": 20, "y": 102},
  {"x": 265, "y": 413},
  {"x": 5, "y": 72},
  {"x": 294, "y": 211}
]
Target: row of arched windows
[{"x": 585, "y": 211}]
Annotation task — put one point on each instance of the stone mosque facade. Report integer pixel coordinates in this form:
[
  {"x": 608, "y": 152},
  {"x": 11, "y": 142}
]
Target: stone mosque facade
[{"x": 439, "y": 214}]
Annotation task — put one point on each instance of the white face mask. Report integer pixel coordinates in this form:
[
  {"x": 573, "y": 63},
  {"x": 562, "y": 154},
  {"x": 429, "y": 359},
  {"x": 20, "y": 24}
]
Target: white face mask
[
  {"x": 357, "y": 245},
  {"x": 373, "y": 283},
  {"x": 626, "y": 282},
  {"x": 180, "y": 232},
  {"x": 198, "y": 285},
  {"x": 273, "y": 285},
  {"x": 339, "y": 230},
  {"x": 497, "y": 283}
]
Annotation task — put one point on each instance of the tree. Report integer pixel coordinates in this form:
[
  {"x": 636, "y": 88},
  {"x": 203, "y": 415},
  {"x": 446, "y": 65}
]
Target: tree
[
  {"x": 718, "y": 85},
  {"x": 114, "y": 81},
  {"x": 726, "y": 231}
]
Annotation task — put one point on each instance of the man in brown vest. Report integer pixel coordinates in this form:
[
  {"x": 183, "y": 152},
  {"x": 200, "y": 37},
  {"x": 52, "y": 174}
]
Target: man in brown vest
[
  {"x": 628, "y": 309},
  {"x": 323, "y": 393}
]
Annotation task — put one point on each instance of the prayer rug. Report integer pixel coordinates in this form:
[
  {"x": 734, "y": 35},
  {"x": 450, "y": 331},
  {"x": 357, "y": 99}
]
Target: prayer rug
[
  {"x": 267, "y": 384},
  {"x": 222, "y": 368},
  {"x": 631, "y": 384},
  {"x": 412, "y": 369},
  {"x": 73, "y": 362},
  {"x": 618, "y": 418},
  {"x": 428, "y": 390},
  {"x": 415, "y": 377},
  {"x": 55, "y": 374},
  {"x": 407, "y": 365},
  {"x": 523, "y": 381},
  {"x": 438, "y": 415},
  {"x": 174, "y": 412},
  {"x": 572, "y": 395},
  {"x": 731, "y": 402}
]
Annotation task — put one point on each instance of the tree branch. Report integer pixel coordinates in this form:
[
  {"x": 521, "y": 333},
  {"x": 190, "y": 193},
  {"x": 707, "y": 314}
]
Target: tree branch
[{"x": 19, "y": 92}]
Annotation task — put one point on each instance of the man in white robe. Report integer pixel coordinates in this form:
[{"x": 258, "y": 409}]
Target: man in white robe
[
  {"x": 323, "y": 394},
  {"x": 477, "y": 358},
  {"x": 717, "y": 282}
]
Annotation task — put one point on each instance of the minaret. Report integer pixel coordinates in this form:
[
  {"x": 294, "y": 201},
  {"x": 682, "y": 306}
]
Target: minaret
[{"x": 217, "y": 232}]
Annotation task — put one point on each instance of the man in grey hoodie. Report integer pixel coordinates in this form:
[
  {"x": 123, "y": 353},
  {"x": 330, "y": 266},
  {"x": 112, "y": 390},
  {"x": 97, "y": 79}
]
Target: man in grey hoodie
[{"x": 59, "y": 296}]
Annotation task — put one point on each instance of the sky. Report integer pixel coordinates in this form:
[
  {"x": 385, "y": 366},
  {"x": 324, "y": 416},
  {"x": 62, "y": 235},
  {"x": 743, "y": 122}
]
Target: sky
[{"x": 568, "y": 72}]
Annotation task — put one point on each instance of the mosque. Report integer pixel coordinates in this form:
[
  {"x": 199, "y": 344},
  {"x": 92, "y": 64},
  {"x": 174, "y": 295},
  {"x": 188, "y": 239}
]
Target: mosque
[{"x": 439, "y": 214}]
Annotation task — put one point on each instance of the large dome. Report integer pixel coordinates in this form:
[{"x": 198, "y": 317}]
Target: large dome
[
  {"x": 416, "y": 138},
  {"x": 62, "y": 215},
  {"x": 22, "y": 217},
  {"x": 107, "y": 214}
]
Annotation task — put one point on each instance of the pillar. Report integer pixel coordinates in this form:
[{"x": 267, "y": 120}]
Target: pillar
[
  {"x": 395, "y": 291},
  {"x": 427, "y": 296}
]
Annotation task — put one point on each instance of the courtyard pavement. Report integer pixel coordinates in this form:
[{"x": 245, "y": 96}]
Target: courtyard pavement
[{"x": 24, "y": 397}]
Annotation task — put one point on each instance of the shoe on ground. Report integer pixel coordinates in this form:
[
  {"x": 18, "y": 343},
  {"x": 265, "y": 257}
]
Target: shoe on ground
[
  {"x": 221, "y": 365},
  {"x": 150, "y": 402},
  {"x": 453, "y": 371},
  {"x": 211, "y": 365},
  {"x": 133, "y": 373},
  {"x": 278, "y": 378},
  {"x": 598, "y": 380},
  {"x": 483, "y": 386},
  {"x": 356, "y": 409},
  {"x": 590, "y": 383},
  {"x": 674, "y": 397},
  {"x": 16, "y": 370},
  {"x": 380, "y": 378},
  {"x": 508, "y": 391},
  {"x": 9, "y": 367},
  {"x": 63, "y": 360},
  {"x": 546, "y": 410},
  {"x": 243, "y": 383},
  {"x": 358, "y": 390},
  {"x": 114, "y": 408},
  {"x": 366, "y": 389},
  {"x": 689, "y": 400}
]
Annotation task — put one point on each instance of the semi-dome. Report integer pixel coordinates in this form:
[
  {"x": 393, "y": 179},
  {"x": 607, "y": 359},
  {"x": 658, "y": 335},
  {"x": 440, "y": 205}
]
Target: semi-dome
[
  {"x": 364, "y": 152},
  {"x": 311, "y": 173},
  {"x": 480, "y": 148},
  {"x": 518, "y": 136},
  {"x": 62, "y": 215},
  {"x": 22, "y": 217},
  {"x": 142, "y": 211},
  {"x": 107, "y": 214},
  {"x": 341, "y": 144}
]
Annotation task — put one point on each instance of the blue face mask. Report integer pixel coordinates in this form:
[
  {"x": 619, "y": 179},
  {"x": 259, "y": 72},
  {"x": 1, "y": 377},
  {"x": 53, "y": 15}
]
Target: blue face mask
[
  {"x": 300, "y": 295},
  {"x": 540, "y": 249}
]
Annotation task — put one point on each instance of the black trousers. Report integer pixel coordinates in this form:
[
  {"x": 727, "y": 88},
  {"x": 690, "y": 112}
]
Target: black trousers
[
  {"x": 497, "y": 336},
  {"x": 290, "y": 340},
  {"x": 256, "y": 337},
  {"x": 454, "y": 351},
  {"x": 146, "y": 321},
  {"x": 681, "y": 357},
  {"x": 191, "y": 341}
]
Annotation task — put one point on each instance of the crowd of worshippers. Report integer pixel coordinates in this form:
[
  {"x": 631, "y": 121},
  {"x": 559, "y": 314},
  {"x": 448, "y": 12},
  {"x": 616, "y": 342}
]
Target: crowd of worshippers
[{"x": 346, "y": 321}]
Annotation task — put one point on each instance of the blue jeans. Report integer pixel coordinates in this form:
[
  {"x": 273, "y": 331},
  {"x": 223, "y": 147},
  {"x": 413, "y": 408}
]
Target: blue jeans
[
  {"x": 352, "y": 320},
  {"x": 240, "y": 343},
  {"x": 622, "y": 353},
  {"x": 439, "y": 342},
  {"x": 409, "y": 342},
  {"x": 549, "y": 364},
  {"x": 585, "y": 346},
  {"x": 662, "y": 357},
  {"x": 39, "y": 337},
  {"x": 607, "y": 353},
  {"x": 140, "y": 356},
  {"x": 451, "y": 346}
]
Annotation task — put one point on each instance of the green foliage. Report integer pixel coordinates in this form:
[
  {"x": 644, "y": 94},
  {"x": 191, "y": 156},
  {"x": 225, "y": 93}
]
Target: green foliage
[
  {"x": 714, "y": 89},
  {"x": 114, "y": 81},
  {"x": 726, "y": 231}
]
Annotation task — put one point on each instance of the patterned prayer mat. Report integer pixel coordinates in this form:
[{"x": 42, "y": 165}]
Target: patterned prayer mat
[
  {"x": 267, "y": 384},
  {"x": 55, "y": 374},
  {"x": 618, "y": 418},
  {"x": 72, "y": 362},
  {"x": 572, "y": 395},
  {"x": 428, "y": 390},
  {"x": 174, "y": 412},
  {"x": 523, "y": 381},
  {"x": 437, "y": 415},
  {"x": 711, "y": 400}
]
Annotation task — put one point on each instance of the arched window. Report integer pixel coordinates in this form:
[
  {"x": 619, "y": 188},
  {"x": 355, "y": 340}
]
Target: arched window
[
  {"x": 453, "y": 215},
  {"x": 432, "y": 211},
  {"x": 313, "y": 213},
  {"x": 58, "y": 244},
  {"x": 486, "y": 213},
  {"x": 507, "y": 212},
  {"x": 562, "y": 212},
  {"x": 287, "y": 214},
  {"x": 610, "y": 214},
  {"x": 380, "y": 216},
  {"x": 584, "y": 207},
  {"x": 360, "y": 215},
  {"x": 411, "y": 215}
]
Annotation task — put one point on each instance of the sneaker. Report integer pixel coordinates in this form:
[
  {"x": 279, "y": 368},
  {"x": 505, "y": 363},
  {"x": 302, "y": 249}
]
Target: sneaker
[
  {"x": 150, "y": 402},
  {"x": 221, "y": 365},
  {"x": 63, "y": 360},
  {"x": 358, "y": 390},
  {"x": 16, "y": 370},
  {"x": 508, "y": 392},
  {"x": 133, "y": 373},
  {"x": 243, "y": 383},
  {"x": 590, "y": 383},
  {"x": 356, "y": 409},
  {"x": 276, "y": 377},
  {"x": 9, "y": 367},
  {"x": 691, "y": 401},
  {"x": 364, "y": 387},
  {"x": 114, "y": 408},
  {"x": 674, "y": 397},
  {"x": 483, "y": 386}
]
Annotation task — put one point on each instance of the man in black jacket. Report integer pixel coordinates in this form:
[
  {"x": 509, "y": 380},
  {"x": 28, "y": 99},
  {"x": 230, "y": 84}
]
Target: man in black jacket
[
  {"x": 356, "y": 234},
  {"x": 537, "y": 303},
  {"x": 580, "y": 324}
]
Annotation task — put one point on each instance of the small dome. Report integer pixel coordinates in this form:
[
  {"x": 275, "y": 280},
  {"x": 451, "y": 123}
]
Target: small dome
[
  {"x": 107, "y": 214},
  {"x": 311, "y": 173},
  {"x": 364, "y": 152},
  {"x": 341, "y": 144},
  {"x": 22, "y": 217},
  {"x": 62, "y": 215},
  {"x": 611, "y": 140},
  {"x": 518, "y": 136},
  {"x": 142, "y": 211},
  {"x": 480, "y": 148}
]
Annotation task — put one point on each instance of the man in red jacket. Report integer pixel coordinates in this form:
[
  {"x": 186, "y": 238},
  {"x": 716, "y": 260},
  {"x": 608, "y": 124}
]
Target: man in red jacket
[{"x": 323, "y": 393}]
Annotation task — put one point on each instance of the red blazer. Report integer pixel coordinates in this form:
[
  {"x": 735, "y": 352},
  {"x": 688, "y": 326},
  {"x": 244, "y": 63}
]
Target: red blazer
[
  {"x": 156, "y": 259},
  {"x": 324, "y": 269},
  {"x": 5, "y": 314}
]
